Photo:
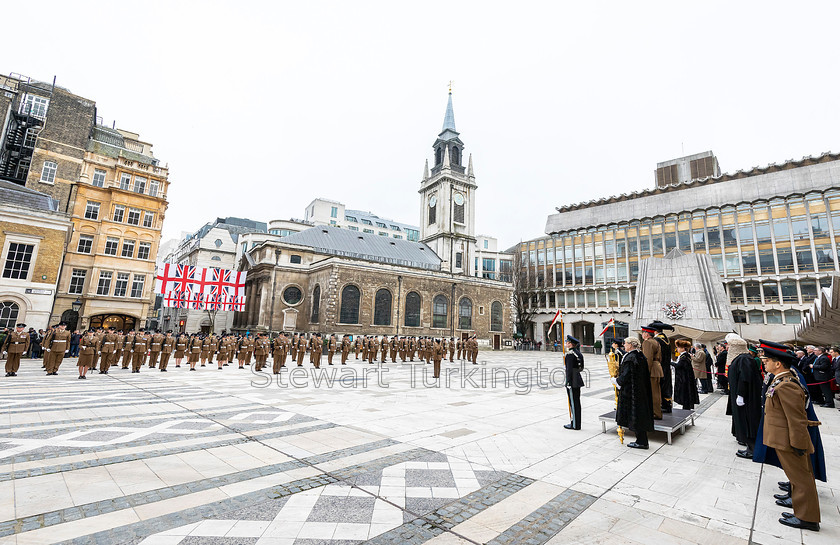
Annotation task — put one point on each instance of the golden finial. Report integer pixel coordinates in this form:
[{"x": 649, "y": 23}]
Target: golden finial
[{"x": 450, "y": 86}]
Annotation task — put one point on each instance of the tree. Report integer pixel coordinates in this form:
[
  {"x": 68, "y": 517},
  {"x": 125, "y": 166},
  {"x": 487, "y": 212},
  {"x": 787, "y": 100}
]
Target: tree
[{"x": 522, "y": 293}]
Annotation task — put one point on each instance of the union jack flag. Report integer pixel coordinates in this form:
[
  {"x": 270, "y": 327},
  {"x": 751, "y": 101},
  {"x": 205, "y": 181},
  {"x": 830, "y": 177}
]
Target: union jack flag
[
  {"x": 180, "y": 278},
  {"x": 223, "y": 281},
  {"x": 197, "y": 302}
]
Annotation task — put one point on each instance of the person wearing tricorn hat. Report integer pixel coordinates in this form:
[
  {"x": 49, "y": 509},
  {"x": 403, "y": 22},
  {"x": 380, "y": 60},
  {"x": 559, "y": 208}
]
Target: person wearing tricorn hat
[
  {"x": 574, "y": 382},
  {"x": 653, "y": 355},
  {"x": 666, "y": 387},
  {"x": 786, "y": 430},
  {"x": 15, "y": 345}
]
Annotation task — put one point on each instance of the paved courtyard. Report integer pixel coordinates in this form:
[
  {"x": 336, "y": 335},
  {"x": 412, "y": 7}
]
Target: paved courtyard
[{"x": 221, "y": 457}]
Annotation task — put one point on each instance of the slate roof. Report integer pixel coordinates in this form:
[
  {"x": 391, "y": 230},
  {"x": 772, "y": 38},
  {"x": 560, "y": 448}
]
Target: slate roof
[
  {"x": 111, "y": 143},
  {"x": 343, "y": 242},
  {"x": 16, "y": 195}
]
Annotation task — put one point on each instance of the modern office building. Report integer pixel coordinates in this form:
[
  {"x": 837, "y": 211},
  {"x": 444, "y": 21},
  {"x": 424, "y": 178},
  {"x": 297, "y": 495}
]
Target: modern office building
[
  {"x": 328, "y": 212},
  {"x": 773, "y": 234},
  {"x": 490, "y": 262}
]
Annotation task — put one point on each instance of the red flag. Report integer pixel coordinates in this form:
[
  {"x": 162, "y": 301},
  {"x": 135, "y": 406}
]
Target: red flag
[{"x": 554, "y": 321}]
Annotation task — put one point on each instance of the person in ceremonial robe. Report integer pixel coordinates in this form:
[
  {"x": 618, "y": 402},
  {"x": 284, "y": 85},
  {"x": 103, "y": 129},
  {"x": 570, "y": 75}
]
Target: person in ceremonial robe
[
  {"x": 635, "y": 407},
  {"x": 685, "y": 385}
]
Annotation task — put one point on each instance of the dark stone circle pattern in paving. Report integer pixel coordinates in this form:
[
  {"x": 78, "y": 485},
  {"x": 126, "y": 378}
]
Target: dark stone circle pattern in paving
[{"x": 547, "y": 521}]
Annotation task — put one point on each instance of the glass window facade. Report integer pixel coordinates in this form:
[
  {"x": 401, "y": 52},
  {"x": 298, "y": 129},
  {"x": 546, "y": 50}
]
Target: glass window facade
[{"x": 770, "y": 255}]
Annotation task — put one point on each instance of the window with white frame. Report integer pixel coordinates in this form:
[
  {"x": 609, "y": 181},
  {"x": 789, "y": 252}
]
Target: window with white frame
[
  {"x": 85, "y": 244},
  {"x": 111, "y": 244},
  {"x": 92, "y": 210},
  {"x": 144, "y": 250},
  {"x": 128, "y": 248},
  {"x": 125, "y": 181},
  {"x": 104, "y": 286},
  {"x": 134, "y": 216},
  {"x": 137, "y": 285},
  {"x": 334, "y": 212},
  {"x": 98, "y": 177},
  {"x": 29, "y": 139},
  {"x": 153, "y": 187},
  {"x": 139, "y": 184},
  {"x": 148, "y": 219},
  {"x": 48, "y": 172},
  {"x": 35, "y": 106},
  {"x": 119, "y": 212},
  {"x": 121, "y": 285},
  {"x": 18, "y": 261},
  {"x": 77, "y": 281}
]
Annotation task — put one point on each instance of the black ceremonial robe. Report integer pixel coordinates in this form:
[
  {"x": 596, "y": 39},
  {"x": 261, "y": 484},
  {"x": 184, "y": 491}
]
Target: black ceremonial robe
[{"x": 635, "y": 403}]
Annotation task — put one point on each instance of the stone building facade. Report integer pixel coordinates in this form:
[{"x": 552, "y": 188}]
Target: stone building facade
[
  {"x": 297, "y": 286},
  {"x": 33, "y": 235},
  {"x": 330, "y": 279}
]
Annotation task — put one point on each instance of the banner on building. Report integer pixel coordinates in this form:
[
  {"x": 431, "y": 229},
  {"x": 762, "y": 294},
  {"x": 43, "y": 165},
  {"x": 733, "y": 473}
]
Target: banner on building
[{"x": 185, "y": 286}]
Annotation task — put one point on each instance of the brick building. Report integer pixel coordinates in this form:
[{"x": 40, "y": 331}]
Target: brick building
[
  {"x": 33, "y": 235},
  {"x": 110, "y": 184}
]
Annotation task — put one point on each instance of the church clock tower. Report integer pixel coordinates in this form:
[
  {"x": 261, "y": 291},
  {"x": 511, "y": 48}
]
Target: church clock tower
[{"x": 447, "y": 201}]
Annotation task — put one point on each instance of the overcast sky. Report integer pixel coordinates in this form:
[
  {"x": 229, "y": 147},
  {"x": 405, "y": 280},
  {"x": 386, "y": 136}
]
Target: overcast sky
[{"x": 259, "y": 107}]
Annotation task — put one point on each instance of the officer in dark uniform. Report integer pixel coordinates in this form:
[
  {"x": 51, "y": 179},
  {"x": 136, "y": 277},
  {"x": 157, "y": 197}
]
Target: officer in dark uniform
[{"x": 574, "y": 381}]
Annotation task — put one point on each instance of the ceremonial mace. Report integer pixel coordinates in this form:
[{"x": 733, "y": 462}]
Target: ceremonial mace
[{"x": 612, "y": 364}]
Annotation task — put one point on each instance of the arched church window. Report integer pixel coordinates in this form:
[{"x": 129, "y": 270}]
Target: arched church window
[
  {"x": 465, "y": 314},
  {"x": 439, "y": 311},
  {"x": 439, "y": 156},
  {"x": 9, "y": 311},
  {"x": 316, "y": 305},
  {"x": 496, "y": 316},
  {"x": 349, "y": 312},
  {"x": 412, "y": 309},
  {"x": 456, "y": 155},
  {"x": 382, "y": 307}
]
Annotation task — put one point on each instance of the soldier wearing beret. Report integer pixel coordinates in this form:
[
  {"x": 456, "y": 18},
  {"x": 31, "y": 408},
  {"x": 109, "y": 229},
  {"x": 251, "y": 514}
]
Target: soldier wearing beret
[{"x": 15, "y": 345}]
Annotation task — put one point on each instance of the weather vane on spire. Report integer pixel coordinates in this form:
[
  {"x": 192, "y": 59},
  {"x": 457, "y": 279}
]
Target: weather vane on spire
[{"x": 450, "y": 86}]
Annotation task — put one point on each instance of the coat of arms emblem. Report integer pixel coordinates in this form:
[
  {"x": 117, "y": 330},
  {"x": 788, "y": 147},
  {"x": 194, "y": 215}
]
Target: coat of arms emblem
[{"x": 674, "y": 310}]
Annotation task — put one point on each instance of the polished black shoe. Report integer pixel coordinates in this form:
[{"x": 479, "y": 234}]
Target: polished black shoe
[
  {"x": 784, "y": 485},
  {"x": 785, "y": 503},
  {"x": 744, "y": 454},
  {"x": 788, "y": 514},
  {"x": 8, "y": 374},
  {"x": 782, "y": 496},
  {"x": 637, "y": 445},
  {"x": 569, "y": 427},
  {"x": 794, "y": 522}
]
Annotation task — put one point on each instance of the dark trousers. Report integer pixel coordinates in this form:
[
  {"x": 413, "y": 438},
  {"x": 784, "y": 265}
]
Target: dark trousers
[
  {"x": 574, "y": 405},
  {"x": 641, "y": 438},
  {"x": 826, "y": 392}
]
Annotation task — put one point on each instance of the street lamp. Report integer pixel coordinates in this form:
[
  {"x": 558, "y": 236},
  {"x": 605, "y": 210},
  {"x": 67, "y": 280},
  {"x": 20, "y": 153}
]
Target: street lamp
[{"x": 76, "y": 305}]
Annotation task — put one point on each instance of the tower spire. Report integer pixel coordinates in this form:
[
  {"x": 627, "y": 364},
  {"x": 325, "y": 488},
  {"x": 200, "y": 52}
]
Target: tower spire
[
  {"x": 449, "y": 117},
  {"x": 469, "y": 167},
  {"x": 426, "y": 171},
  {"x": 446, "y": 162}
]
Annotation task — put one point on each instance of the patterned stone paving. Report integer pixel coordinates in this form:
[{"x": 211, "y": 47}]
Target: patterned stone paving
[{"x": 210, "y": 458}]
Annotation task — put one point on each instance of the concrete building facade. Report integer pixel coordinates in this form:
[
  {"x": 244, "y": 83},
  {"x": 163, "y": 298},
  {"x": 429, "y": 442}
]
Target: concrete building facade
[
  {"x": 773, "y": 234},
  {"x": 328, "y": 212}
]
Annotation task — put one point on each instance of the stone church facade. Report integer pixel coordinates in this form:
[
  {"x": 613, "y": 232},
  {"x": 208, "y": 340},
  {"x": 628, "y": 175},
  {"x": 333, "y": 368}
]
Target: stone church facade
[{"x": 331, "y": 280}]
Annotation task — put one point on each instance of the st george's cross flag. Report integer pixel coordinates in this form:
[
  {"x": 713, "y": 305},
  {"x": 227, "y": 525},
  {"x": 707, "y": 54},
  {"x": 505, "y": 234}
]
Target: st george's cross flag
[
  {"x": 610, "y": 324},
  {"x": 557, "y": 316},
  {"x": 185, "y": 286}
]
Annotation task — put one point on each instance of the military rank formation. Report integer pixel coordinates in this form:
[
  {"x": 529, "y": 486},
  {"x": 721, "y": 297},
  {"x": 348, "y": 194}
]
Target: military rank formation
[{"x": 107, "y": 349}]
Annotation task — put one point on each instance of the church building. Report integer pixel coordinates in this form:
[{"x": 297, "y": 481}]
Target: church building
[{"x": 332, "y": 280}]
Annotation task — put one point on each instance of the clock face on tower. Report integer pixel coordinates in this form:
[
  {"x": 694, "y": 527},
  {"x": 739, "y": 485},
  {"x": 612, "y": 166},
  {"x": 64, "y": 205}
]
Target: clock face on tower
[
  {"x": 459, "y": 199},
  {"x": 433, "y": 201}
]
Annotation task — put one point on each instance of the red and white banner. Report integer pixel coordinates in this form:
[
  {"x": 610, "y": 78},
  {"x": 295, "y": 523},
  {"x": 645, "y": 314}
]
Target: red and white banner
[
  {"x": 610, "y": 324},
  {"x": 185, "y": 286}
]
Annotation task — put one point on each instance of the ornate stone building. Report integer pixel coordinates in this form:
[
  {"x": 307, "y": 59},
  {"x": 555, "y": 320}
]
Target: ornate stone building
[{"x": 333, "y": 280}]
